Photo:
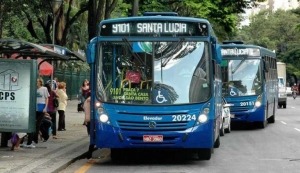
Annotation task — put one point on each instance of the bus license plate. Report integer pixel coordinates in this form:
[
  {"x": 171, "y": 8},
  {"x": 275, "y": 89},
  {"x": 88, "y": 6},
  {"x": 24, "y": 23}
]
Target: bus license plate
[{"x": 153, "y": 138}]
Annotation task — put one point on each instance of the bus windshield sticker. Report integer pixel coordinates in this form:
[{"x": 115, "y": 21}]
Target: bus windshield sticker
[
  {"x": 142, "y": 47},
  {"x": 135, "y": 94},
  {"x": 161, "y": 97},
  {"x": 224, "y": 63}
]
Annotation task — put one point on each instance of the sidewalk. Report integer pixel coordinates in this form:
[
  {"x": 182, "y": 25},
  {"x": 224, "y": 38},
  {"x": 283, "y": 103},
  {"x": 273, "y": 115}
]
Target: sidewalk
[{"x": 53, "y": 155}]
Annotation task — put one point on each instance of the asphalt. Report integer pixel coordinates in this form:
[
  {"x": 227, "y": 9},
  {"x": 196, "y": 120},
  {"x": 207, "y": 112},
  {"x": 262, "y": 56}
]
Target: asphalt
[{"x": 53, "y": 155}]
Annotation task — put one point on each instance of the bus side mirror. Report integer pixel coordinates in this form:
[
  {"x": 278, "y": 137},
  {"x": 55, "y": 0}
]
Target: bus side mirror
[
  {"x": 90, "y": 53},
  {"x": 218, "y": 54},
  {"x": 266, "y": 66}
]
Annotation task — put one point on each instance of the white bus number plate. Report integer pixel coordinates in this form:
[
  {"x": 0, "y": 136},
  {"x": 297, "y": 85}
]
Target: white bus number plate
[{"x": 153, "y": 138}]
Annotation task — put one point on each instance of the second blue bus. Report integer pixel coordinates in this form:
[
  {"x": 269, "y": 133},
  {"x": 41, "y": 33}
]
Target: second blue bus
[{"x": 250, "y": 85}]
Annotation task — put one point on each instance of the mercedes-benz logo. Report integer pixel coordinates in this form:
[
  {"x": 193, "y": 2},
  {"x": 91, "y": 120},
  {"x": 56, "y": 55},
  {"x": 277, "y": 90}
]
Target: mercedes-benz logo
[{"x": 152, "y": 124}]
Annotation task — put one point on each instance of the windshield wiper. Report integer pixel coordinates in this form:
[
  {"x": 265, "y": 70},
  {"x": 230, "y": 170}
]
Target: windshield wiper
[
  {"x": 238, "y": 66},
  {"x": 136, "y": 56},
  {"x": 174, "y": 49}
]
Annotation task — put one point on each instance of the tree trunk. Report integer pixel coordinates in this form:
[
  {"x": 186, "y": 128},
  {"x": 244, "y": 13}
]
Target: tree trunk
[
  {"x": 1, "y": 19},
  {"x": 92, "y": 23},
  {"x": 135, "y": 8}
]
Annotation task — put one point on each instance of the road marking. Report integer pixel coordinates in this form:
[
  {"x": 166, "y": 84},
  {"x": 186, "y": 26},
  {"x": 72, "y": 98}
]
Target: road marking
[
  {"x": 84, "y": 168},
  {"x": 293, "y": 107},
  {"x": 87, "y": 166},
  {"x": 283, "y": 122},
  {"x": 297, "y": 129}
]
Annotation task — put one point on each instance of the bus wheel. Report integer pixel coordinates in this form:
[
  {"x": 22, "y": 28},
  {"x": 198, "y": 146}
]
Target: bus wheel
[
  {"x": 116, "y": 155},
  {"x": 284, "y": 106},
  {"x": 262, "y": 124},
  {"x": 228, "y": 130},
  {"x": 204, "y": 153},
  {"x": 272, "y": 118},
  {"x": 217, "y": 143},
  {"x": 222, "y": 131}
]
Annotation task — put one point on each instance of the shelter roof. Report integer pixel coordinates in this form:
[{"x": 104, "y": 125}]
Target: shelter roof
[
  {"x": 65, "y": 51},
  {"x": 26, "y": 49}
]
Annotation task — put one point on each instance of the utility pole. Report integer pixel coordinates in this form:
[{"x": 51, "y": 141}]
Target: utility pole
[{"x": 135, "y": 8}]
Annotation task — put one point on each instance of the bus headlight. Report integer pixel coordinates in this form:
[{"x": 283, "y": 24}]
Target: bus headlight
[
  {"x": 202, "y": 118},
  {"x": 258, "y": 102},
  {"x": 103, "y": 118}
]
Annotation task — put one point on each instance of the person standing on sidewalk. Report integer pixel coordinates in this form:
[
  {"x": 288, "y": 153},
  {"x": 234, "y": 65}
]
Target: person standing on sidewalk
[
  {"x": 52, "y": 109},
  {"x": 87, "y": 111},
  {"x": 62, "y": 103},
  {"x": 84, "y": 90},
  {"x": 16, "y": 146},
  {"x": 41, "y": 108}
]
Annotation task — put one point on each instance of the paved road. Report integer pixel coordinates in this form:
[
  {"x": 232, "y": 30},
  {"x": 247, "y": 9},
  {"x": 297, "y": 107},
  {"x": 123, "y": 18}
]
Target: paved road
[{"x": 274, "y": 149}]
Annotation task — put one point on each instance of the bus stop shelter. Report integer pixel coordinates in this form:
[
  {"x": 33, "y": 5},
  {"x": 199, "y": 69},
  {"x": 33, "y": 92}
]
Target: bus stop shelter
[{"x": 43, "y": 53}]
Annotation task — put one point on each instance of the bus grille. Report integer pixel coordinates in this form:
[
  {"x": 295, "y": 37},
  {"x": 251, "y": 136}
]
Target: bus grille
[
  {"x": 238, "y": 109},
  {"x": 160, "y": 126}
]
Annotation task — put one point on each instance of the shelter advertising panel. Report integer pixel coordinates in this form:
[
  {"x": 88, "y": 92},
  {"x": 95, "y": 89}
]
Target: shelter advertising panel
[{"x": 17, "y": 95}]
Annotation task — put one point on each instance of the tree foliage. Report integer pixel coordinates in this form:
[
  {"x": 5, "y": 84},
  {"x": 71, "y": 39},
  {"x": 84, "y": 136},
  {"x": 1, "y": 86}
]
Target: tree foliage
[
  {"x": 77, "y": 20},
  {"x": 276, "y": 31}
]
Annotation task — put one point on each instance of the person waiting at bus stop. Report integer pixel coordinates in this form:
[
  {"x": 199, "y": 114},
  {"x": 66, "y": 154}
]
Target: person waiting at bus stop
[
  {"x": 87, "y": 111},
  {"x": 41, "y": 108}
]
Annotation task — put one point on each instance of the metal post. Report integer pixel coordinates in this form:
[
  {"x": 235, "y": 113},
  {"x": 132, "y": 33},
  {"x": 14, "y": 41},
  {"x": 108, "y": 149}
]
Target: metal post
[
  {"x": 53, "y": 42},
  {"x": 54, "y": 3}
]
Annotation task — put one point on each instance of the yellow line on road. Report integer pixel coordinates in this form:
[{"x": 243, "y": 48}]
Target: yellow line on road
[
  {"x": 84, "y": 168},
  {"x": 87, "y": 166}
]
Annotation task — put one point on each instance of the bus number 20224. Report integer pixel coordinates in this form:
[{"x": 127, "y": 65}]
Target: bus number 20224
[{"x": 183, "y": 117}]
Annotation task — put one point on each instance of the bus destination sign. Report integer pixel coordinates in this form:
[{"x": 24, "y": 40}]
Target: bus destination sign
[
  {"x": 240, "y": 52},
  {"x": 154, "y": 28}
]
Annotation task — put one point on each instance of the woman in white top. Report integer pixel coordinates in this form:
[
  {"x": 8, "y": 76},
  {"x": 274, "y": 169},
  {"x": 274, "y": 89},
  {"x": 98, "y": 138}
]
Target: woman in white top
[{"x": 62, "y": 100}]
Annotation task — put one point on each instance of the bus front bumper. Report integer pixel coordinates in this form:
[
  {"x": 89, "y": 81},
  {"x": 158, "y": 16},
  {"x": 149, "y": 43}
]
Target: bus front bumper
[
  {"x": 256, "y": 114},
  {"x": 196, "y": 137}
]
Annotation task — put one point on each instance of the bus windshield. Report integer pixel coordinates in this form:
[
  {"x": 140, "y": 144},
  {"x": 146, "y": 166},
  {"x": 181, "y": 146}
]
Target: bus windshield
[
  {"x": 153, "y": 72},
  {"x": 242, "y": 77}
]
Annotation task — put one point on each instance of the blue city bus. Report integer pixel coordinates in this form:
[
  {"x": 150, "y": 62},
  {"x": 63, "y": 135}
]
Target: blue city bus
[
  {"x": 249, "y": 76},
  {"x": 156, "y": 84}
]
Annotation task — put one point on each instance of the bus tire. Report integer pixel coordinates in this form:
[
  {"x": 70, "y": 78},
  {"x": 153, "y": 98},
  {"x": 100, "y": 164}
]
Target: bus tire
[
  {"x": 222, "y": 130},
  {"x": 228, "y": 130},
  {"x": 116, "y": 155},
  {"x": 272, "y": 118},
  {"x": 262, "y": 124},
  {"x": 204, "y": 153},
  {"x": 217, "y": 142},
  {"x": 284, "y": 106}
]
